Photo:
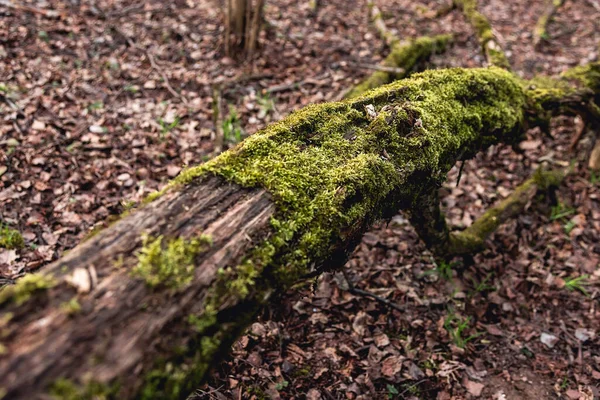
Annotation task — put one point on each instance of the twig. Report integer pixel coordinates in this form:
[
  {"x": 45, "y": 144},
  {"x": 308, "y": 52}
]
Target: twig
[
  {"x": 218, "y": 119},
  {"x": 134, "y": 8},
  {"x": 445, "y": 10},
  {"x": 392, "y": 70},
  {"x": 20, "y": 7},
  {"x": 283, "y": 87},
  {"x": 164, "y": 76},
  {"x": 539, "y": 32},
  {"x": 153, "y": 63},
  {"x": 460, "y": 171},
  {"x": 377, "y": 18},
  {"x": 595, "y": 4},
  {"x": 352, "y": 289}
]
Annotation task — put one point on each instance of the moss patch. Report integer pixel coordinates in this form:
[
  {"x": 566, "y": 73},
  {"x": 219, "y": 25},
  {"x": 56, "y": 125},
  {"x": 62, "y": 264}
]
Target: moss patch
[
  {"x": 71, "y": 307},
  {"x": 405, "y": 57},
  {"x": 170, "y": 264},
  {"x": 10, "y": 238},
  {"x": 25, "y": 287},
  {"x": 64, "y": 389}
]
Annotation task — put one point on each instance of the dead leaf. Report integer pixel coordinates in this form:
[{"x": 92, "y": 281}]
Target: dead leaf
[
  {"x": 359, "y": 325},
  {"x": 474, "y": 388},
  {"x": 391, "y": 365}
]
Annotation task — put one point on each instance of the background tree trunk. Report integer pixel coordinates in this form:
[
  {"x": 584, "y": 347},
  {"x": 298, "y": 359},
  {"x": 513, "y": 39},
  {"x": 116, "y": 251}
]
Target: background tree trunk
[{"x": 243, "y": 19}]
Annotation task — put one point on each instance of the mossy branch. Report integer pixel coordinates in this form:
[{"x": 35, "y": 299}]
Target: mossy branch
[
  {"x": 483, "y": 29},
  {"x": 539, "y": 32},
  {"x": 377, "y": 18},
  {"x": 430, "y": 223},
  {"x": 404, "y": 56}
]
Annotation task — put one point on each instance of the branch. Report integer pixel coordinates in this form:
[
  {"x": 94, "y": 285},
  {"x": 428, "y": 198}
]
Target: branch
[
  {"x": 377, "y": 17},
  {"x": 488, "y": 41},
  {"x": 430, "y": 223},
  {"x": 539, "y": 32},
  {"x": 402, "y": 59}
]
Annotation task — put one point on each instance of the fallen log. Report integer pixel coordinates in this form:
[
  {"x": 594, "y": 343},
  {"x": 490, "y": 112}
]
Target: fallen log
[{"x": 144, "y": 308}]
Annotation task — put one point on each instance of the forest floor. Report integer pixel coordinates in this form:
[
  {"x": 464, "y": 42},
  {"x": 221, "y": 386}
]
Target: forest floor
[{"x": 102, "y": 102}]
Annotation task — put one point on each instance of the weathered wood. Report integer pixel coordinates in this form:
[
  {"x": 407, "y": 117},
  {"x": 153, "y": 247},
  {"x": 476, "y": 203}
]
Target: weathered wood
[
  {"x": 145, "y": 307},
  {"x": 122, "y": 323}
]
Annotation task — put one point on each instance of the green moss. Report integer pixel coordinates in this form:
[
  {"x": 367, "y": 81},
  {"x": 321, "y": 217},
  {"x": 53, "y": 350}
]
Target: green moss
[
  {"x": 25, "y": 287},
  {"x": 64, "y": 389},
  {"x": 10, "y": 238},
  {"x": 405, "y": 57},
  {"x": 331, "y": 170},
  {"x": 170, "y": 264},
  {"x": 588, "y": 75},
  {"x": 548, "y": 179},
  {"x": 71, "y": 307},
  {"x": 483, "y": 29}
]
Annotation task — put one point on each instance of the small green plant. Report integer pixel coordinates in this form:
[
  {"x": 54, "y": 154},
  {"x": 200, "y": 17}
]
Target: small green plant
[
  {"x": 131, "y": 88},
  {"x": 560, "y": 211},
  {"x": 10, "y": 238},
  {"x": 97, "y": 105},
  {"x": 569, "y": 226},
  {"x": 43, "y": 35},
  {"x": 594, "y": 178},
  {"x": 232, "y": 129},
  {"x": 166, "y": 127},
  {"x": 266, "y": 104},
  {"x": 579, "y": 283},
  {"x": 3, "y": 88},
  {"x": 281, "y": 385},
  {"x": 391, "y": 391},
  {"x": 483, "y": 285},
  {"x": 564, "y": 385},
  {"x": 457, "y": 327},
  {"x": 444, "y": 270}
]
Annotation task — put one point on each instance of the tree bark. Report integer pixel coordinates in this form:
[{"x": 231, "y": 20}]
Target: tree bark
[{"x": 145, "y": 307}]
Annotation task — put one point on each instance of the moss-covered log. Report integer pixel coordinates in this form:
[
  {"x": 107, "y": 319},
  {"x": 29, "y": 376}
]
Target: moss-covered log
[{"x": 145, "y": 307}]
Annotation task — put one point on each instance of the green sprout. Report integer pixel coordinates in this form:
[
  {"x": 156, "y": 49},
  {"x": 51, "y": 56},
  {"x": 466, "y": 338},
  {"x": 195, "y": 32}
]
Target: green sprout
[{"x": 579, "y": 283}]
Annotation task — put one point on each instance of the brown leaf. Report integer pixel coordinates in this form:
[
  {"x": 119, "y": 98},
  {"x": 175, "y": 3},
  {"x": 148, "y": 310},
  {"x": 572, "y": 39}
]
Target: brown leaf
[
  {"x": 474, "y": 388},
  {"x": 359, "y": 325},
  {"x": 391, "y": 365}
]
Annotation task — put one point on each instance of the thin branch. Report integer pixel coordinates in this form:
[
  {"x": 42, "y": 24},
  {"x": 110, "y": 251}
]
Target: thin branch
[
  {"x": 391, "y": 70},
  {"x": 153, "y": 63},
  {"x": 352, "y": 289},
  {"x": 34, "y": 10},
  {"x": 487, "y": 39},
  {"x": 539, "y": 32}
]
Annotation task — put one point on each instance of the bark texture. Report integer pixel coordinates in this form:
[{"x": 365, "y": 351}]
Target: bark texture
[{"x": 145, "y": 307}]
